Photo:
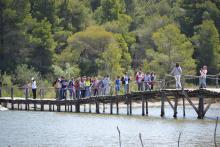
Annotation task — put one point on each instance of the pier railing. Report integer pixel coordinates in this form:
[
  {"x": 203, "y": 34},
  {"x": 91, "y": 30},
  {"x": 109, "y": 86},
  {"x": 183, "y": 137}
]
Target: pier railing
[{"x": 188, "y": 82}]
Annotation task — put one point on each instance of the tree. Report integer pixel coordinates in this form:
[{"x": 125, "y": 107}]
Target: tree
[
  {"x": 206, "y": 42},
  {"x": 41, "y": 44},
  {"x": 84, "y": 47},
  {"x": 172, "y": 47}
]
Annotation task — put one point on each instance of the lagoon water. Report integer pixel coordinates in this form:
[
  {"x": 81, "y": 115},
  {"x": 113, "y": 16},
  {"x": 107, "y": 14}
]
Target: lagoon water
[{"x": 49, "y": 129}]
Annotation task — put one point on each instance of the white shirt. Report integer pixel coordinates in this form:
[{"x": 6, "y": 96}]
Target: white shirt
[{"x": 34, "y": 85}]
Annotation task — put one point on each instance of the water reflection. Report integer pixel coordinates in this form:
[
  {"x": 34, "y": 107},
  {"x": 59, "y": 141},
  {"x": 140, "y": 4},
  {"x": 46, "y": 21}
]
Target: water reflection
[{"x": 21, "y": 128}]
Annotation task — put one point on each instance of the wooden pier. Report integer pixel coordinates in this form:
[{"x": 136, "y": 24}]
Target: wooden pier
[{"x": 173, "y": 97}]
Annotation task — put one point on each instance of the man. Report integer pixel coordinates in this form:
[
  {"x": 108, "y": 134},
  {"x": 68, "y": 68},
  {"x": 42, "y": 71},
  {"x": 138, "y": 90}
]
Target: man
[
  {"x": 176, "y": 72},
  {"x": 34, "y": 87}
]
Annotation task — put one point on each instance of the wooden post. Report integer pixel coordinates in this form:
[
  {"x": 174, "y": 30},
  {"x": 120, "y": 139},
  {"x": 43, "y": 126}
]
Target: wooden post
[
  {"x": 111, "y": 107},
  {"x": 90, "y": 108},
  {"x": 65, "y": 107},
  {"x": 97, "y": 107},
  {"x": 35, "y": 106},
  {"x": 130, "y": 106},
  {"x": 42, "y": 107},
  {"x": 49, "y": 106},
  {"x": 103, "y": 107},
  {"x": 26, "y": 97},
  {"x": 71, "y": 108},
  {"x": 143, "y": 113},
  {"x": 77, "y": 106},
  {"x": 146, "y": 107},
  {"x": 12, "y": 93},
  {"x": 117, "y": 108},
  {"x": 175, "y": 107},
  {"x": 201, "y": 107},
  {"x": 84, "y": 107},
  {"x": 58, "y": 107},
  {"x": 12, "y": 97},
  {"x": 127, "y": 105},
  {"x": 162, "y": 106},
  {"x": 184, "y": 112}
]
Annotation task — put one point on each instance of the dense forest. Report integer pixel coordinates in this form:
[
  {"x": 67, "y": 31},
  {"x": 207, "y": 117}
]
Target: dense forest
[{"x": 49, "y": 38}]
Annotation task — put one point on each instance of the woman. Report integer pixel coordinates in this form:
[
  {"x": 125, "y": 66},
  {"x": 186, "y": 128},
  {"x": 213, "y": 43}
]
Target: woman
[
  {"x": 176, "y": 72},
  {"x": 202, "y": 78}
]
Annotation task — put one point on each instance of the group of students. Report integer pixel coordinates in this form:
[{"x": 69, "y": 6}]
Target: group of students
[
  {"x": 145, "y": 81},
  {"x": 81, "y": 87},
  {"x": 93, "y": 86},
  {"x": 177, "y": 71}
]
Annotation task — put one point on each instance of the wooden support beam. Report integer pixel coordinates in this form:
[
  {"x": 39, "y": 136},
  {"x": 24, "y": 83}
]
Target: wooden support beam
[
  {"x": 146, "y": 107},
  {"x": 103, "y": 109},
  {"x": 126, "y": 100},
  {"x": 175, "y": 107},
  {"x": 143, "y": 107},
  {"x": 130, "y": 106},
  {"x": 71, "y": 108},
  {"x": 184, "y": 112},
  {"x": 90, "y": 108},
  {"x": 97, "y": 107},
  {"x": 42, "y": 107},
  {"x": 117, "y": 108},
  {"x": 201, "y": 107},
  {"x": 162, "y": 105},
  {"x": 65, "y": 108},
  {"x": 58, "y": 107},
  {"x": 49, "y": 107},
  {"x": 53, "y": 107},
  {"x": 111, "y": 107},
  {"x": 12, "y": 105},
  {"x": 77, "y": 107},
  {"x": 171, "y": 105},
  {"x": 206, "y": 109},
  {"x": 190, "y": 102}
]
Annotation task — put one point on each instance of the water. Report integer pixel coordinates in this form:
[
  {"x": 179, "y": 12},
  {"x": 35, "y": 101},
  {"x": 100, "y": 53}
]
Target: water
[{"x": 48, "y": 129}]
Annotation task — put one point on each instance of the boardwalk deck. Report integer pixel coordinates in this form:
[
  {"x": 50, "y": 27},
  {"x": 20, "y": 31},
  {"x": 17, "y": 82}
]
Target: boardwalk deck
[{"x": 142, "y": 97}]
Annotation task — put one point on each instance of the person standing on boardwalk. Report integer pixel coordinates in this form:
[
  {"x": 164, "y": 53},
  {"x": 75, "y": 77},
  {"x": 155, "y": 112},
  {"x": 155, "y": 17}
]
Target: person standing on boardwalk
[
  {"x": 34, "y": 87},
  {"x": 176, "y": 72},
  {"x": 117, "y": 85},
  {"x": 202, "y": 79},
  {"x": 139, "y": 80}
]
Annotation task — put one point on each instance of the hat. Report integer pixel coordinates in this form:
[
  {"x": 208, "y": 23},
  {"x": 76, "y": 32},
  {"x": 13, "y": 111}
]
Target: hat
[{"x": 32, "y": 78}]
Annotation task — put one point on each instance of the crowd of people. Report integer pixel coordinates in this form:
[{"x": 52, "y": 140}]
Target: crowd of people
[{"x": 92, "y": 86}]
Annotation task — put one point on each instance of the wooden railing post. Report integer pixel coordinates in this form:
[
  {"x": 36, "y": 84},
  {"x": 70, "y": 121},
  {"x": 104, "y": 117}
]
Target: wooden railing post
[
  {"x": 217, "y": 86},
  {"x": 26, "y": 93},
  {"x": 12, "y": 93}
]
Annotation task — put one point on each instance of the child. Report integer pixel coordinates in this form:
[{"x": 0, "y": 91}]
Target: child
[{"x": 117, "y": 85}]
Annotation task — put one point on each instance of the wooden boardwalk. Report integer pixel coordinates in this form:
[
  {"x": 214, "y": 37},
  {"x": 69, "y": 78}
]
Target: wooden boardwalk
[{"x": 173, "y": 97}]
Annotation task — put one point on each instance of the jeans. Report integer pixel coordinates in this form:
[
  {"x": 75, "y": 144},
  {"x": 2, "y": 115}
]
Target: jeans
[
  {"x": 140, "y": 86},
  {"x": 202, "y": 82},
  {"x": 178, "y": 83},
  {"x": 34, "y": 93}
]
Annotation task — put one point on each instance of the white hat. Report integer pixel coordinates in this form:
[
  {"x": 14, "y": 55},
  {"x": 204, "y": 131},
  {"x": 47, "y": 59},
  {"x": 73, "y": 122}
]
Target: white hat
[{"x": 32, "y": 78}]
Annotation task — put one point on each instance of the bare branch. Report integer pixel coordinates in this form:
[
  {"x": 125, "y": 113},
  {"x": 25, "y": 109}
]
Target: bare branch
[{"x": 119, "y": 133}]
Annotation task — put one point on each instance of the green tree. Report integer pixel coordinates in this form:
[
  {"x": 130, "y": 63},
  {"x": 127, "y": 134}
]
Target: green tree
[
  {"x": 172, "y": 47},
  {"x": 206, "y": 42},
  {"x": 41, "y": 44}
]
